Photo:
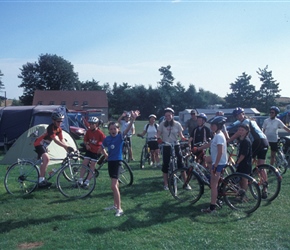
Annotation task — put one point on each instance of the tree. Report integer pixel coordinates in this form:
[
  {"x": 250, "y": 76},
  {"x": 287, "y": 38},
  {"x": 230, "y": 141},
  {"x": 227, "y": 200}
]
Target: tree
[
  {"x": 268, "y": 91},
  {"x": 167, "y": 79},
  {"x": 91, "y": 85},
  {"x": 51, "y": 72},
  {"x": 243, "y": 93},
  {"x": 1, "y": 87}
]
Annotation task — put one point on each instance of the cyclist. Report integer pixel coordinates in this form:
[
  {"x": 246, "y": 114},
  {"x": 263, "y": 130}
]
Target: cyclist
[
  {"x": 93, "y": 140},
  {"x": 151, "y": 129},
  {"x": 191, "y": 123},
  {"x": 256, "y": 135},
  {"x": 114, "y": 144},
  {"x": 169, "y": 130},
  {"x": 200, "y": 134},
  {"x": 124, "y": 120},
  {"x": 53, "y": 133},
  {"x": 218, "y": 149},
  {"x": 270, "y": 128}
]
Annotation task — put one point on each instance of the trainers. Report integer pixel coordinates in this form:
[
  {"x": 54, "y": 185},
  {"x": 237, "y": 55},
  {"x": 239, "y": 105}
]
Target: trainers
[
  {"x": 165, "y": 188},
  {"x": 264, "y": 195},
  {"x": 186, "y": 187},
  {"x": 111, "y": 208},
  {"x": 119, "y": 212},
  {"x": 208, "y": 211},
  {"x": 85, "y": 185},
  {"x": 44, "y": 184}
]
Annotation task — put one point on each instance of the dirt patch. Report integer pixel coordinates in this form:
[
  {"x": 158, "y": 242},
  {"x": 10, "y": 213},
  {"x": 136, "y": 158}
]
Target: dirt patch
[{"x": 30, "y": 245}]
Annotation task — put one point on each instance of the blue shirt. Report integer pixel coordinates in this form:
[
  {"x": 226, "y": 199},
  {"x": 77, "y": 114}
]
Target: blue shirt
[{"x": 115, "y": 147}]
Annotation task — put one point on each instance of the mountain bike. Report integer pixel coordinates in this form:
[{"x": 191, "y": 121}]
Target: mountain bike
[
  {"x": 126, "y": 150},
  {"x": 22, "y": 177},
  {"x": 145, "y": 153},
  {"x": 229, "y": 190},
  {"x": 281, "y": 162},
  {"x": 286, "y": 147}
]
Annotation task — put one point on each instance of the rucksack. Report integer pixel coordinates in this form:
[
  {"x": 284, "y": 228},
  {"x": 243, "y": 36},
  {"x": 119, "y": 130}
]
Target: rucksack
[{"x": 155, "y": 125}]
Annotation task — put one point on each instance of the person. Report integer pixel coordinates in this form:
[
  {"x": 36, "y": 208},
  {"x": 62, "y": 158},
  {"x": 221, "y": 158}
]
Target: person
[
  {"x": 244, "y": 158},
  {"x": 53, "y": 133},
  {"x": 256, "y": 135},
  {"x": 200, "y": 134},
  {"x": 191, "y": 123},
  {"x": 218, "y": 149},
  {"x": 168, "y": 131},
  {"x": 224, "y": 129},
  {"x": 270, "y": 128},
  {"x": 124, "y": 120},
  {"x": 151, "y": 129},
  {"x": 114, "y": 144},
  {"x": 92, "y": 140}
]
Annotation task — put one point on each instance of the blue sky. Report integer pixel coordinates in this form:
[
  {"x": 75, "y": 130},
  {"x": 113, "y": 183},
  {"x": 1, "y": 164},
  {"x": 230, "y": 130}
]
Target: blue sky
[{"x": 207, "y": 43}]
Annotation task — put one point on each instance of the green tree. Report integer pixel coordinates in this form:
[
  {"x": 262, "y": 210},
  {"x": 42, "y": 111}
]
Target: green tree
[
  {"x": 91, "y": 85},
  {"x": 268, "y": 91},
  {"x": 2, "y": 98},
  {"x": 243, "y": 93},
  {"x": 51, "y": 72}
]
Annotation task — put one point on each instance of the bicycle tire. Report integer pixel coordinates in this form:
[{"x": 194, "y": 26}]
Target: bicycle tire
[
  {"x": 177, "y": 185},
  {"x": 125, "y": 175},
  {"x": 70, "y": 187},
  {"x": 239, "y": 199},
  {"x": 21, "y": 178},
  {"x": 272, "y": 183},
  {"x": 126, "y": 156},
  {"x": 281, "y": 162},
  {"x": 143, "y": 157}
]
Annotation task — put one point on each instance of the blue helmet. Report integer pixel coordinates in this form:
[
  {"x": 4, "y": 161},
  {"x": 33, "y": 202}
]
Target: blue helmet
[
  {"x": 238, "y": 111},
  {"x": 218, "y": 120},
  {"x": 276, "y": 109},
  {"x": 203, "y": 116}
]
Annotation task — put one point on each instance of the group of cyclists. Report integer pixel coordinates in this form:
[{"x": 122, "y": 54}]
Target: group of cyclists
[{"x": 254, "y": 144}]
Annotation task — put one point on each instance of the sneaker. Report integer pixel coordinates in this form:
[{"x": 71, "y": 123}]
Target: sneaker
[
  {"x": 119, "y": 212},
  {"x": 159, "y": 165},
  {"x": 264, "y": 195},
  {"x": 186, "y": 187},
  {"x": 166, "y": 188},
  {"x": 85, "y": 185},
  {"x": 111, "y": 208},
  {"x": 208, "y": 211},
  {"x": 44, "y": 184}
]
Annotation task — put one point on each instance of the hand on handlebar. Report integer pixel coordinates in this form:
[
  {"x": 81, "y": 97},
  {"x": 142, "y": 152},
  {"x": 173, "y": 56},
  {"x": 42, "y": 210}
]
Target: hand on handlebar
[
  {"x": 159, "y": 141},
  {"x": 70, "y": 149}
]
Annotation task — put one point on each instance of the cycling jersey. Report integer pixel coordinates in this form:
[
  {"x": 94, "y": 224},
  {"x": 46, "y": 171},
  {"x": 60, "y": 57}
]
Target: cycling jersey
[{"x": 51, "y": 132}]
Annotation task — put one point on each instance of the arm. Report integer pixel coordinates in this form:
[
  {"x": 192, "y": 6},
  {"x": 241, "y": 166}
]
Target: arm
[
  {"x": 219, "y": 156},
  {"x": 120, "y": 118},
  {"x": 134, "y": 115}
]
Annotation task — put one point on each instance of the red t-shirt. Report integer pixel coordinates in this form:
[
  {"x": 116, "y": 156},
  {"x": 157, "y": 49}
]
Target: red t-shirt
[
  {"x": 95, "y": 139},
  {"x": 51, "y": 132}
]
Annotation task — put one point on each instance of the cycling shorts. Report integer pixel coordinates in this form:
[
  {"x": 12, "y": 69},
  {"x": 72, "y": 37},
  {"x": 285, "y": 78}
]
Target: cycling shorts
[
  {"x": 92, "y": 156},
  {"x": 114, "y": 168},
  {"x": 153, "y": 145},
  {"x": 260, "y": 148},
  {"x": 273, "y": 146}
]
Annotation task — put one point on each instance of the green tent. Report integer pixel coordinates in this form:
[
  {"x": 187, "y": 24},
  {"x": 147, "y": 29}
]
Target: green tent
[{"x": 23, "y": 147}]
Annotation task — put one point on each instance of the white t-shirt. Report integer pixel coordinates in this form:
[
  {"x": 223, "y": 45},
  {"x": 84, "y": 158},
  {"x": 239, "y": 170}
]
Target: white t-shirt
[
  {"x": 219, "y": 139},
  {"x": 170, "y": 134},
  {"x": 271, "y": 127},
  {"x": 124, "y": 125},
  {"x": 151, "y": 130}
]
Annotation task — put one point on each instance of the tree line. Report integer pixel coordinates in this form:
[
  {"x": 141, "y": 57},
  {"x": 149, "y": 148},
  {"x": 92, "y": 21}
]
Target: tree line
[{"x": 52, "y": 72}]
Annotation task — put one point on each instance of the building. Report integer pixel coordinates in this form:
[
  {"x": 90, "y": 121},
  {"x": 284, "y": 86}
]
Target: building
[{"x": 74, "y": 100}]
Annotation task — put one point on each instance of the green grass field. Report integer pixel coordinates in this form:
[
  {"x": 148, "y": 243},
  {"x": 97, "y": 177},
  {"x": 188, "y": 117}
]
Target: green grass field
[{"x": 152, "y": 218}]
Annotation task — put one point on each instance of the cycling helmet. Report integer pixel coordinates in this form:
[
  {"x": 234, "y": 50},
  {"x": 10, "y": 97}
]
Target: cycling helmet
[
  {"x": 219, "y": 121},
  {"x": 128, "y": 114},
  {"x": 93, "y": 119},
  {"x": 169, "y": 110},
  {"x": 238, "y": 111},
  {"x": 57, "y": 116},
  {"x": 152, "y": 115},
  {"x": 276, "y": 109},
  {"x": 203, "y": 116}
]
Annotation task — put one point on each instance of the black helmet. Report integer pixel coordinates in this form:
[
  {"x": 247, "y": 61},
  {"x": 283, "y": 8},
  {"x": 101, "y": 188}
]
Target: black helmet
[
  {"x": 238, "y": 111},
  {"x": 218, "y": 120},
  {"x": 276, "y": 109},
  {"x": 57, "y": 116},
  {"x": 203, "y": 116},
  {"x": 169, "y": 110}
]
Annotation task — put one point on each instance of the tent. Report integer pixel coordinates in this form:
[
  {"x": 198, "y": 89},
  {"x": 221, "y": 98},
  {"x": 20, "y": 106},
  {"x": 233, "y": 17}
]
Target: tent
[
  {"x": 15, "y": 120},
  {"x": 23, "y": 147}
]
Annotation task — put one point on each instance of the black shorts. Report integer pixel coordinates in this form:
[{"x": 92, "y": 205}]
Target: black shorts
[
  {"x": 40, "y": 150},
  {"x": 153, "y": 145},
  {"x": 273, "y": 146},
  {"x": 114, "y": 168},
  {"x": 244, "y": 169},
  {"x": 260, "y": 148},
  {"x": 92, "y": 156}
]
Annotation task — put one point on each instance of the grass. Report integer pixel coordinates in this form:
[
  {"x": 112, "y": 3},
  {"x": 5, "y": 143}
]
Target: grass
[{"x": 152, "y": 219}]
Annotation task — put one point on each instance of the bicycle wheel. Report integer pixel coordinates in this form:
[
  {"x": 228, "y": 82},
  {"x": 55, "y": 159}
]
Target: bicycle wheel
[
  {"x": 246, "y": 200},
  {"x": 126, "y": 152},
  {"x": 67, "y": 181},
  {"x": 185, "y": 185},
  {"x": 269, "y": 181},
  {"x": 125, "y": 175},
  {"x": 21, "y": 178},
  {"x": 281, "y": 162},
  {"x": 143, "y": 157}
]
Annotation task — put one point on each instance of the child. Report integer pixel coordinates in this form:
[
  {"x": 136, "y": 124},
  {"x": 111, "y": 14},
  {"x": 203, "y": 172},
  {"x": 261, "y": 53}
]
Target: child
[
  {"x": 93, "y": 140},
  {"x": 114, "y": 143},
  {"x": 218, "y": 149}
]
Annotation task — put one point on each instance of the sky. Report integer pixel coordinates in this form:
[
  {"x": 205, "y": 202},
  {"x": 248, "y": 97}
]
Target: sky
[{"x": 207, "y": 43}]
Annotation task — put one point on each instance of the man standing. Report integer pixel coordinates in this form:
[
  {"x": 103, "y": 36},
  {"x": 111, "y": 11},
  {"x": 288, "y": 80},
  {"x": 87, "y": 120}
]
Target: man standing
[{"x": 191, "y": 123}]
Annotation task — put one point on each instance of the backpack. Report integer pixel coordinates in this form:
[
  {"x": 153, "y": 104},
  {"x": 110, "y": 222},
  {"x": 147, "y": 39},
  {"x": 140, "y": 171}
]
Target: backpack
[{"x": 155, "y": 125}]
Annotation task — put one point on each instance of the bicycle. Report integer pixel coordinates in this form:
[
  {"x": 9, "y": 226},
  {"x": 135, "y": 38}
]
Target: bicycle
[
  {"x": 267, "y": 177},
  {"x": 286, "y": 147},
  {"x": 229, "y": 189},
  {"x": 281, "y": 163},
  {"x": 145, "y": 153},
  {"x": 126, "y": 149},
  {"x": 22, "y": 177}
]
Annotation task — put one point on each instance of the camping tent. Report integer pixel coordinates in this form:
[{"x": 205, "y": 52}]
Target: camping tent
[
  {"x": 23, "y": 147},
  {"x": 15, "y": 120}
]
